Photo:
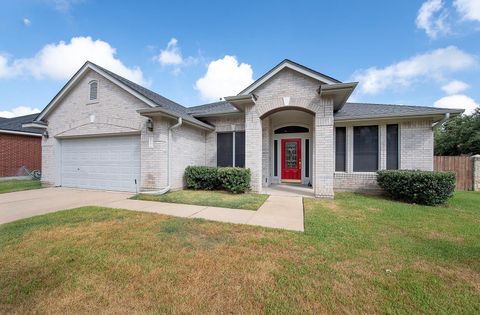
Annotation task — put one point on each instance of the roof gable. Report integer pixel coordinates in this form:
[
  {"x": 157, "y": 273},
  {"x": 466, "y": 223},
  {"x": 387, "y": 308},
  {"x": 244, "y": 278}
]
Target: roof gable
[
  {"x": 322, "y": 78},
  {"x": 149, "y": 97}
]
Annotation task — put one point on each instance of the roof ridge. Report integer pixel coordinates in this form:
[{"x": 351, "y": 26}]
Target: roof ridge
[
  {"x": 390, "y": 104},
  {"x": 138, "y": 86}
]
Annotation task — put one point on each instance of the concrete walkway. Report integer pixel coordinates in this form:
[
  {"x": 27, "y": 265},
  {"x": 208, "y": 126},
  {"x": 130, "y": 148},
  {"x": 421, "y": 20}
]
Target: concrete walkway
[{"x": 284, "y": 212}]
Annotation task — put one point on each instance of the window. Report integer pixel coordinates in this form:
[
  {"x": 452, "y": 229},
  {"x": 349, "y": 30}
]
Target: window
[
  {"x": 290, "y": 129},
  {"x": 392, "y": 147},
  {"x": 307, "y": 158},
  {"x": 275, "y": 157},
  {"x": 93, "y": 90},
  {"x": 231, "y": 149},
  {"x": 340, "y": 148},
  {"x": 365, "y": 149},
  {"x": 239, "y": 149}
]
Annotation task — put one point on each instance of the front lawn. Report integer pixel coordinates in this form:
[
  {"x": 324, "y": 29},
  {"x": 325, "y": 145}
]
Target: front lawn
[
  {"x": 359, "y": 254},
  {"x": 209, "y": 198},
  {"x": 16, "y": 185}
]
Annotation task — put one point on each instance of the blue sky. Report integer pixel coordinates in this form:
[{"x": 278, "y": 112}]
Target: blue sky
[{"x": 193, "y": 52}]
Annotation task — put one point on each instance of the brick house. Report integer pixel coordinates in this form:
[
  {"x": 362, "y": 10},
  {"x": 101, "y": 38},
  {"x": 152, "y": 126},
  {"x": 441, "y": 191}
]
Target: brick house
[
  {"x": 293, "y": 125},
  {"x": 19, "y": 146}
]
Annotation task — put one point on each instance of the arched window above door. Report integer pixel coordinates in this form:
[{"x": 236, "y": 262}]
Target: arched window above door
[{"x": 291, "y": 129}]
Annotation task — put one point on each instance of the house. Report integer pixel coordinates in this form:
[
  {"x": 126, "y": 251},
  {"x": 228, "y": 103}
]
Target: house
[
  {"x": 292, "y": 125},
  {"x": 19, "y": 146}
]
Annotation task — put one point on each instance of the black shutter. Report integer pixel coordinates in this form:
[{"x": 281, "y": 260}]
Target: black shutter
[
  {"x": 340, "y": 148},
  {"x": 365, "y": 149},
  {"x": 225, "y": 149},
  {"x": 307, "y": 158},
  {"x": 275, "y": 157},
  {"x": 392, "y": 147},
  {"x": 240, "y": 149}
]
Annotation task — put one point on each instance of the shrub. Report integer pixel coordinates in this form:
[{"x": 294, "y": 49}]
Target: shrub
[
  {"x": 234, "y": 179},
  {"x": 202, "y": 177},
  {"x": 421, "y": 187}
]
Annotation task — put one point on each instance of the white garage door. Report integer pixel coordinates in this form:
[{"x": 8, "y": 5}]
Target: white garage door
[{"x": 101, "y": 163}]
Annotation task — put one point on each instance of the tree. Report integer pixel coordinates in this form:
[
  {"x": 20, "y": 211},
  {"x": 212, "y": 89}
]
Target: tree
[{"x": 460, "y": 135}]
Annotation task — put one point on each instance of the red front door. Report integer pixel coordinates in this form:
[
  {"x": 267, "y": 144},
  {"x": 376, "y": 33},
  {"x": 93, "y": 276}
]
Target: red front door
[{"x": 291, "y": 160}]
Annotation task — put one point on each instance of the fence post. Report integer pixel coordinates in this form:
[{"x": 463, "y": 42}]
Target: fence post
[{"x": 476, "y": 172}]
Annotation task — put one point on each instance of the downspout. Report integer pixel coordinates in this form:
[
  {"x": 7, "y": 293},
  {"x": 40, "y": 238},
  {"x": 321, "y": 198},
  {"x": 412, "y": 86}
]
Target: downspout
[
  {"x": 444, "y": 119},
  {"x": 166, "y": 189}
]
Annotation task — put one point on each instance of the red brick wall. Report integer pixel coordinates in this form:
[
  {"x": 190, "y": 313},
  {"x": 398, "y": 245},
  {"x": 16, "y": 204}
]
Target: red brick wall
[{"x": 17, "y": 151}]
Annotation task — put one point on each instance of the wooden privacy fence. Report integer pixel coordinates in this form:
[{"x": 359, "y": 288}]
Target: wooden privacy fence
[{"x": 461, "y": 165}]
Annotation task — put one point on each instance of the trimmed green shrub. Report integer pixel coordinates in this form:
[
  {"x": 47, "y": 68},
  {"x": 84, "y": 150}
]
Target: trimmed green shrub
[
  {"x": 234, "y": 179},
  {"x": 202, "y": 177},
  {"x": 420, "y": 187}
]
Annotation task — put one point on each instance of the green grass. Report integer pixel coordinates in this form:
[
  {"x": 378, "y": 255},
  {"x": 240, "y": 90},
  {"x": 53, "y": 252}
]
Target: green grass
[
  {"x": 209, "y": 198},
  {"x": 17, "y": 185},
  {"x": 359, "y": 254}
]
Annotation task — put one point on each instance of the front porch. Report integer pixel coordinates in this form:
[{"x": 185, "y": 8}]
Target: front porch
[
  {"x": 289, "y": 190},
  {"x": 297, "y": 151}
]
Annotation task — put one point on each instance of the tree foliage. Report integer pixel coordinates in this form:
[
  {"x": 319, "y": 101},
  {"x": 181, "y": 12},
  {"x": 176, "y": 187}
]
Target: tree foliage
[{"x": 460, "y": 135}]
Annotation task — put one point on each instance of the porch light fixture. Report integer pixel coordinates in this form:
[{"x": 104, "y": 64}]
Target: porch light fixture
[
  {"x": 45, "y": 134},
  {"x": 150, "y": 125}
]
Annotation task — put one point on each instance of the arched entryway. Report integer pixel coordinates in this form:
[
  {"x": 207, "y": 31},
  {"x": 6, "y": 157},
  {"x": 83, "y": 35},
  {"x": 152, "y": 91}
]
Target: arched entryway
[{"x": 287, "y": 147}]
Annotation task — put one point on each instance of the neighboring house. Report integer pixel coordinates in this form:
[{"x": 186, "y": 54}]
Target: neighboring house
[
  {"x": 291, "y": 125},
  {"x": 19, "y": 146}
]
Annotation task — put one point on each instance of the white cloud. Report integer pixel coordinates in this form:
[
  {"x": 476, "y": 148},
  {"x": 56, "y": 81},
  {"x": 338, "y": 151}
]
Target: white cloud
[
  {"x": 432, "y": 65},
  {"x": 27, "y": 22},
  {"x": 63, "y": 5},
  {"x": 170, "y": 55},
  {"x": 455, "y": 87},
  {"x": 468, "y": 9},
  {"x": 7, "y": 70},
  {"x": 457, "y": 101},
  {"x": 224, "y": 77},
  {"x": 432, "y": 18},
  {"x": 61, "y": 60},
  {"x": 19, "y": 111}
]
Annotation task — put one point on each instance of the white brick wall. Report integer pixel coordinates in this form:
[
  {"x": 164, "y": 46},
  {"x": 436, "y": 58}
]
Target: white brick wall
[
  {"x": 114, "y": 109},
  {"x": 302, "y": 91},
  {"x": 222, "y": 124},
  {"x": 188, "y": 148},
  {"x": 115, "y": 113},
  {"x": 416, "y": 145},
  {"x": 266, "y": 153},
  {"x": 415, "y": 149}
]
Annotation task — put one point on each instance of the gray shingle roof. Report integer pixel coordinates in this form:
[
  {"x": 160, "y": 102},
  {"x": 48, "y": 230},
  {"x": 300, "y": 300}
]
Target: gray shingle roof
[
  {"x": 216, "y": 108},
  {"x": 159, "y": 100},
  {"x": 366, "y": 110},
  {"x": 15, "y": 124},
  {"x": 349, "y": 110}
]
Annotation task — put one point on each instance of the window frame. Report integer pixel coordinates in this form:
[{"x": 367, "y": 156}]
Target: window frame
[
  {"x": 90, "y": 86},
  {"x": 344, "y": 149},
  {"x": 234, "y": 148},
  {"x": 398, "y": 147}
]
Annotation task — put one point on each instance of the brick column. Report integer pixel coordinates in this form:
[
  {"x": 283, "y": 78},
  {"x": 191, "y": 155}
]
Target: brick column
[
  {"x": 253, "y": 147},
  {"x": 266, "y": 154},
  {"x": 324, "y": 153},
  {"x": 476, "y": 172}
]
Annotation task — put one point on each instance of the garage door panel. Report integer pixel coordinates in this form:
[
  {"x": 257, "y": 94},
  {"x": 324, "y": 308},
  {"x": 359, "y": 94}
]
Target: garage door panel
[{"x": 111, "y": 163}]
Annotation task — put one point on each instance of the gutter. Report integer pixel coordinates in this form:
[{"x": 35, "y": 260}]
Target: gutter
[
  {"x": 166, "y": 189},
  {"x": 442, "y": 121}
]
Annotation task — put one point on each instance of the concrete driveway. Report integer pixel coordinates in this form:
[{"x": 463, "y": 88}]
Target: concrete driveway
[
  {"x": 29, "y": 203},
  {"x": 284, "y": 212}
]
